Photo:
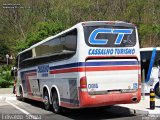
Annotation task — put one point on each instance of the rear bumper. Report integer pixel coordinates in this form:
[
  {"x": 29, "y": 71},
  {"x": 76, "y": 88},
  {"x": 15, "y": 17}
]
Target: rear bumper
[{"x": 87, "y": 100}]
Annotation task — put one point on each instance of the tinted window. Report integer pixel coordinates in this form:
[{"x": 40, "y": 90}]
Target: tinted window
[
  {"x": 43, "y": 60},
  {"x": 129, "y": 40},
  {"x": 67, "y": 41},
  {"x": 157, "y": 58},
  {"x": 146, "y": 58},
  {"x": 52, "y": 50},
  {"x": 26, "y": 55},
  {"x": 50, "y": 47},
  {"x": 145, "y": 61}
]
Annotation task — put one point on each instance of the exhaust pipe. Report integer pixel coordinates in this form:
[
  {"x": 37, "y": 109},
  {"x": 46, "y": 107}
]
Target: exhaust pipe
[{"x": 134, "y": 99}]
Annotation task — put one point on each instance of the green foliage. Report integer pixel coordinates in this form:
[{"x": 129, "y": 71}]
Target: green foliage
[
  {"x": 43, "y": 30},
  {"x": 6, "y": 79},
  {"x": 5, "y": 83},
  {"x": 148, "y": 30},
  {"x": 21, "y": 28},
  {"x": 3, "y": 50},
  {"x": 5, "y": 68}
]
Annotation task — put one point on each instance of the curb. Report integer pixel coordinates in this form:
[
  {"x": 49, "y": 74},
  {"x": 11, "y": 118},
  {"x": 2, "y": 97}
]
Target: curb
[
  {"x": 124, "y": 110},
  {"x": 139, "y": 112}
]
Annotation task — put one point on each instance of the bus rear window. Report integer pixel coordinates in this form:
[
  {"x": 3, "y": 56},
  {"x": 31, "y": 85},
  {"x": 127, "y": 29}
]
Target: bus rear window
[{"x": 110, "y": 36}]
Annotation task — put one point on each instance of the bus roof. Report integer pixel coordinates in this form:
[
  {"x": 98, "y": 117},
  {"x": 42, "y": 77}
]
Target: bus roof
[
  {"x": 85, "y": 23},
  {"x": 149, "y": 48}
]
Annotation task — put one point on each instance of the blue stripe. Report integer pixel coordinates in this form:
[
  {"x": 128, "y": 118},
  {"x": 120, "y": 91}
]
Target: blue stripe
[
  {"x": 80, "y": 64},
  {"x": 111, "y": 63},
  {"x": 151, "y": 65},
  {"x": 68, "y": 65},
  {"x": 125, "y": 31}
]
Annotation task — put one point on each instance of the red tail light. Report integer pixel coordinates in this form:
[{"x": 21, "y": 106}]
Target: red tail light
[{"x": 83, "y": 82}]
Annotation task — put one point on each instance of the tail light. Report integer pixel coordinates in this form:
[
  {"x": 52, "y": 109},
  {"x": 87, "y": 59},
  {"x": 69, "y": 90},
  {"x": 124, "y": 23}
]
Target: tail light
[{"x": 83, "y": 82}]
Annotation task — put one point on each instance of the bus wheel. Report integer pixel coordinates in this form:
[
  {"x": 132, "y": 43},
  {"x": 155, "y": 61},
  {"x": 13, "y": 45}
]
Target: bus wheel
[
  {"x": 21, "y": 98},
  {"x": 46, "y": 100},
  {"x": 157, "y": 91},
  {"x": 55, "y": 103}
]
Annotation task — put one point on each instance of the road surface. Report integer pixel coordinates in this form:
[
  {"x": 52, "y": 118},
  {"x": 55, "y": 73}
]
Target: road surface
[{"x": 15, "y": 109}]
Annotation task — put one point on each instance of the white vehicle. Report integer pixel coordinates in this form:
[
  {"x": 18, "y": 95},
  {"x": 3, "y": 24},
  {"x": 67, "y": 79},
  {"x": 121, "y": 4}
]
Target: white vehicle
[
  {"x": 92, "y": 64},
  {"x": 149, "y": 64}
]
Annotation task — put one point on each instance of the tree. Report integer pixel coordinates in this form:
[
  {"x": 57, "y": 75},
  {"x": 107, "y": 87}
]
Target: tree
[{"x": 3, "y": 51}]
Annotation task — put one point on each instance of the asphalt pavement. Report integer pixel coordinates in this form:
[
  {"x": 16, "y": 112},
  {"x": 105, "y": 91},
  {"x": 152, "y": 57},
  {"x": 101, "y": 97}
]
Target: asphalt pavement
[{"x": 14, "y": 109}]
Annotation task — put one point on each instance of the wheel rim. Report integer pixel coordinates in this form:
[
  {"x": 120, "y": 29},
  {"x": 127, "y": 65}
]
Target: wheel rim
[{"x": 45, "y": 100}]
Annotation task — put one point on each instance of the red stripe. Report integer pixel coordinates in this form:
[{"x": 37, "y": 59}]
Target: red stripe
[
  {"x": 64, "y": 71},
  {"x": 115, "y": 68},
  {"x": 31, "y": 74},
  {"x": 28, "y": 86},
  {"x": 83, "y": 69}
]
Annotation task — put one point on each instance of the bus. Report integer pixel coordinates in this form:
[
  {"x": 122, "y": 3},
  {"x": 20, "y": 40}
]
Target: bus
[
  {"x": 92, "y": 64},
  {"x": 150, "y": 57}
]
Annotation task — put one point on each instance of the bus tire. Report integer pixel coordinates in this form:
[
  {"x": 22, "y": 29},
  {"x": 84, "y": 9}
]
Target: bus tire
[
  {"x": 46, "y": 102},
  {"x": 21, "y": 97},
  {"x": 55, "y": 103},
  {"x": 157, "y": 90}
]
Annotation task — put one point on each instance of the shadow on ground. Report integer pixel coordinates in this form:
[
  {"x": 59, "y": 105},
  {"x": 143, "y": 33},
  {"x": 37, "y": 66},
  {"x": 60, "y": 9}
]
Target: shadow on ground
[{"x": 88, "y": 113}]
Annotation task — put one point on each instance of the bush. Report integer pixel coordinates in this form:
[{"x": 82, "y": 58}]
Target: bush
[
  {"x": 6, "y": 80},
  {"x": 7, "y": 76},
  {"x": 5, "y": 83}
]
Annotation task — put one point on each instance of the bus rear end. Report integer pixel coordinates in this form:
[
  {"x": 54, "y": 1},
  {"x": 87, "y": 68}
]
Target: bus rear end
[{"x": 111, "y": 67}]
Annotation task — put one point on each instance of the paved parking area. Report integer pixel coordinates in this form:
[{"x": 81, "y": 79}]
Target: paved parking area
[
  {"x": 34, "y": 110},
  {"x": 6, "y": 90},
  {"x": 143, "y": 107}
]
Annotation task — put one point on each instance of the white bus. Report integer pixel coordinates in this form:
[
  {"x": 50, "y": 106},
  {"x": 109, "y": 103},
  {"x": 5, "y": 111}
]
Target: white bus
[
  {"x": 94, "y": 63},
  {"x": 149, "y": 64}
]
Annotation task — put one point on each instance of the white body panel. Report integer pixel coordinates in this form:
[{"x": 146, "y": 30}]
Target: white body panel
[{"x": 108, "y": 79}]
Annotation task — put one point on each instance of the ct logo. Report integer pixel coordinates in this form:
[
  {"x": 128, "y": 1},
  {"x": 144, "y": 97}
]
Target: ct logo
[{"x": 120, "y": 32}]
